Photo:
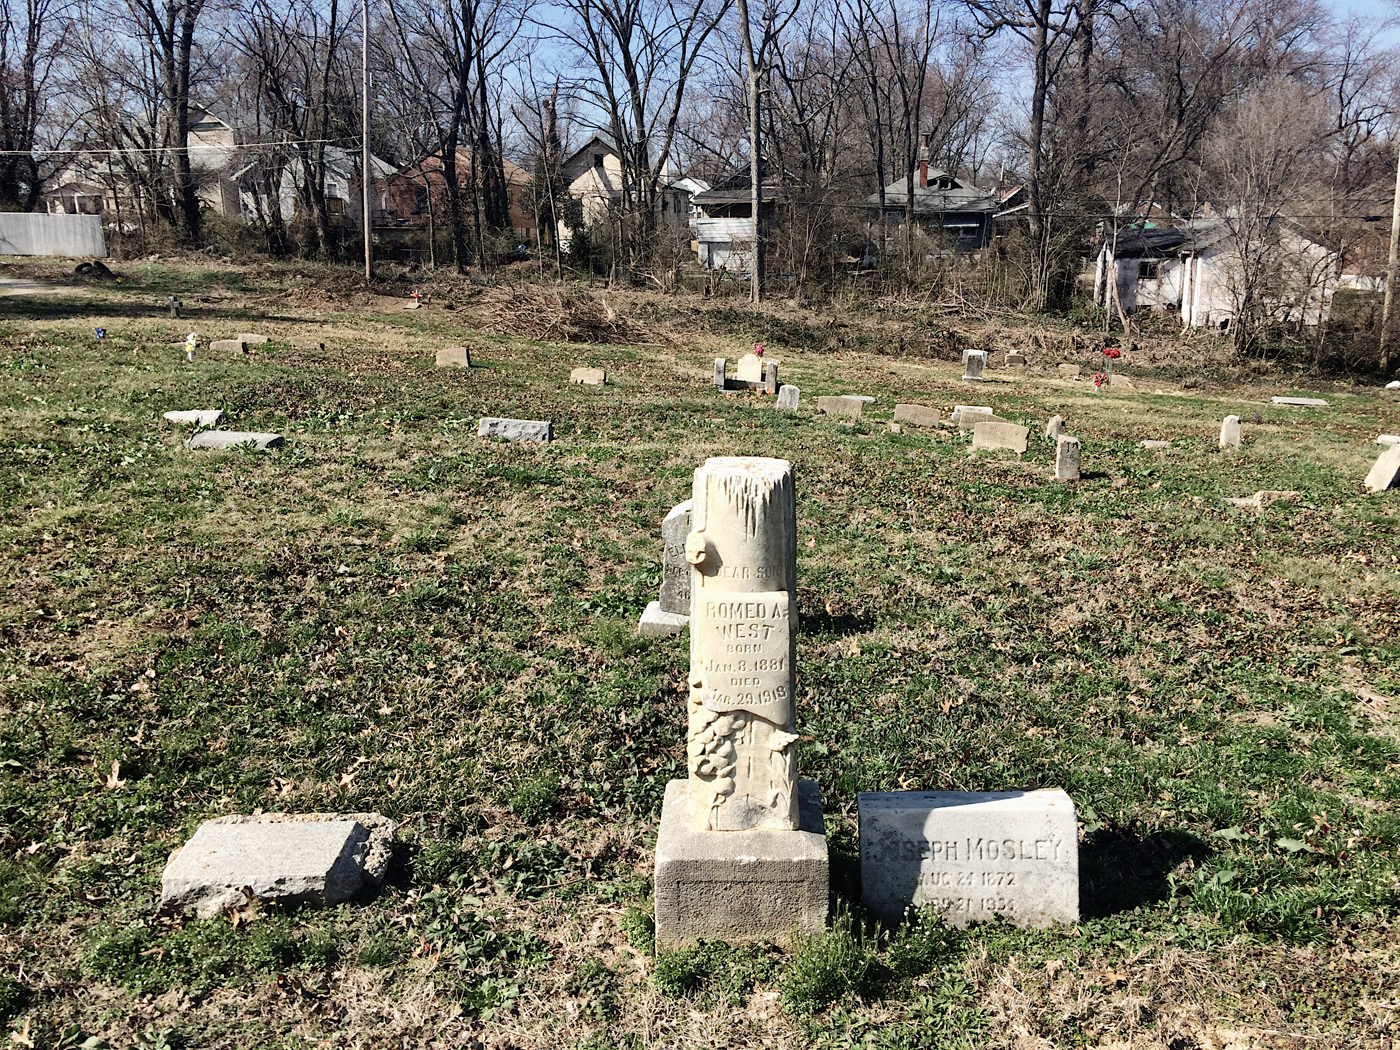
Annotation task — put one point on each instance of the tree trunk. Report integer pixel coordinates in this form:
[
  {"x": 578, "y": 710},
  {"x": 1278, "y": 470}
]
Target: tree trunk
[{"x": 755, "y": 157}]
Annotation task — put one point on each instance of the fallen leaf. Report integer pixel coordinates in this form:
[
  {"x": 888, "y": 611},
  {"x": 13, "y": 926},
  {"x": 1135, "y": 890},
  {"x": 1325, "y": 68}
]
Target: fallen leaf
[
  {"x": 21, "y": 1037},
  {"x": 114, "y": 780}
]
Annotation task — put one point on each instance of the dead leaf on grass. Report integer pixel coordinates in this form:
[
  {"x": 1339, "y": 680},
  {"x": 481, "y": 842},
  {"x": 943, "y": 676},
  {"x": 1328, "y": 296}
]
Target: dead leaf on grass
[
  {"x": 21, "y": 1035},
  {"x": 114, "y": 780}
]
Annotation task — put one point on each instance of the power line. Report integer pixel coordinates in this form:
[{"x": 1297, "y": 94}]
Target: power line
[{"x": 117, "y": 150}]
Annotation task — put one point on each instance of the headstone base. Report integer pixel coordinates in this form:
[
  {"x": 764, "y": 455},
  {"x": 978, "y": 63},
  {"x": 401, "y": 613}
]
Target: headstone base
[
  {"x": 739, "y": 886},
  {"x": 658, "y": 624}
]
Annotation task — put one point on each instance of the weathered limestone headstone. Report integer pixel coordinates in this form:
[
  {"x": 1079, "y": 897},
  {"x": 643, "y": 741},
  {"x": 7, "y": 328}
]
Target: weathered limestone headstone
[
  {"x": 516, "y": 429},
  {"x": 1385, "y": 472},
  {"x": 1301, "y": 402},
  {"x": 750, "y": 369},
  {"x": 671, "y": 612},
  {"x": 452, "y": 357},
  {"x": 975, "y": 363},
  {"x": 314, "y": 858},
  {"x": 252, "y": 339},
  {"x": 1067, "y": 370},
  {"x": 1230, "y": 432},
  {"x": 1388, "y": 439},
  {"x": 1122, "y": 382},
  {"x": 918, "y": 415},
  {"x": 770, "y": 377},
  {"x": 199, "y": 417},
  {"x": 789, "y": 397},
  {"x": 1067, "y": 458},
  {"x": 841, "y": 406},
  {"x": 1000, "y": 435},
  {"x": 235, "y": 346},
  {"x": 1015, "y": 360},
  {"x": 1155, "y": 445},
  {"x": 217, "y": 440},
  {"x": 301, "y": 342},
  {"x": 588, "y": 376},
  {"x": 958, "y": 410},
  {"x": 719, "y": 373},
  {"x": 972, "y": 855},
  {"x": 1055, "y": 427},
  {"x": 969, "y": 420},
  {"x": 741, "y": 854},
  {"x": 175, "y": 305}
]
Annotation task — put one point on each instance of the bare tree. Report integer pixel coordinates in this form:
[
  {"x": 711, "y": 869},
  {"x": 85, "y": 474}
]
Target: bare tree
[{"x": 32, "y": 36}]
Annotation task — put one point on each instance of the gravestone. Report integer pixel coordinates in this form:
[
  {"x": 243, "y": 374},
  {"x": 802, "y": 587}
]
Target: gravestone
[
  {"x": 841, "y": 406},
  {"x": 971, "y": 855},
  {"x": 218, "y": 440},
  {"x": 1067, "y": 458},
  {"x": 301, "y": 342},
  {"x": 1155, "y": 445},
  {"x": 588, "y": 376},
  {"x": 1385, "y": 472},
  {"x": 235, "y": 346},
  {"x": 719, "y": 373},
  {"x": 918, "y": 415},
  {"x": 1301, "y": 402},
  {"x": 770, "y": 377},
  {"x": 254, "y": 340},
  {"x": 958, "y": 410},
  {"x": 516, "y": 429},
  {"x": 453, "y": 357},
  {"x": 1000, "y": 435},
  {"x": 670, "y": 613},
  {"x": 1015, "y": 360},
  {"x": 199, "y": 417},
  {"x": 1230, "y": 432},
  {"x": 969, "y": 420},
  {"x": 861, "y": 397},
  {"x": 750, "y": 369},
  {"x": 175, "y": 305},
  {"x": 1388, "y": 439},
  {"x": 313, "y": 858},
  {"x": 1122, "y": 382},
  {"x": 741, "y": 854},
  {"x": 976, "y": 362},
  {"x": 1067, "y": 370},
  {"x": 789, "y": 397},
  {"x": 1055, "y": 427}
]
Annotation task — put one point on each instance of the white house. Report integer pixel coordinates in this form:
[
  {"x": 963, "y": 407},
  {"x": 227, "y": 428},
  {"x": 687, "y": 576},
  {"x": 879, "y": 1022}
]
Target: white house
[{"x": 593, "y": 176}]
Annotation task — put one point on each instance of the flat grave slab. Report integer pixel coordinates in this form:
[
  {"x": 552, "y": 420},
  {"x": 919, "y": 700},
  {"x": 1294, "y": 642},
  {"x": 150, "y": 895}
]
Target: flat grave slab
[
  {"x": 253, "y": 339},
  {"x": 516, "y": 429},
  {"x": 841, "y": 406},
  {"x": 1385, "y": 472},
  {"x": 917, "y": 415},
  {"x": 1301, "y": 402},
  {"x": 233, "y": 346},
  {"x": 1154, "y": 445},
  {"x": 588, "y": 376},
  {"x": 199, "y": 417},
  {"x": 301, "y": 342},
  {"x": 452, "y": 357},
  {"x": 217, "y": 440},
  {"x": 1000, "y": 435}
]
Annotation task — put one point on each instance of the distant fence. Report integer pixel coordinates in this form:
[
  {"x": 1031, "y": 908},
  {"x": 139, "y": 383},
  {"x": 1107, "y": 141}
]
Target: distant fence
[{"x": 38, "y": 234}]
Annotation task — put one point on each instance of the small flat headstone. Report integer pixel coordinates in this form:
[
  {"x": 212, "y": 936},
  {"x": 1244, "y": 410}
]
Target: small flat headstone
[
  {"x": 1151, "y": 444},
  {"x": 588, "y": 376},
  {"x": 719, "y": 373},
  {"x": 750, "y": 369},
  {"x": 234, "y": 346},
  {"x": 315, "y": 859},
  {"x": 1385, "y": 472},
  {"x": 412, "y": 306},
  {"x": 918, "y": 415},
  {"x": 1066, "y": 458},
  {"x": 1000, "y": 435},
  {"x": 302, "y": 342},
  {"x": 789, "y": 397},
  {"x": 1230, "y": 432},
  {"x": 453, "y": 357},
  {"x": 861, "y": 397},
  {"x": 971, "y": 855},
  {"x": 656, "y": 622},
  {"x": 841, "y": 406},
  {"x": 1388, "y": 439},
  {"x": 958, "y": 410},
  {"x": 198, "y": 417},
  {"x": 1301, "y": 402},
  {"x": 1122, "y": 382},
  {"x": 1015, "y": 360},
  {"x": 516, "y": 429},
  {"x": 217, "y": 440},
  {"x": 1067, "y": 370},
  {"x": 1055, "y": 427},
  {"x": 254, "y": 340},
  {"x": 968, "y": 420}
]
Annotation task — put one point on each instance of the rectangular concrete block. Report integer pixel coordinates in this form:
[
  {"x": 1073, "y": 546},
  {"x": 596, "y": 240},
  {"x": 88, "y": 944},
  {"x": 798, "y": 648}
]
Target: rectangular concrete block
[
  {"x": 789, "y": 397},
  {"x": 972, "y": 855},
  {"x": 916, "y": 415},
  {"x": 656, "y": 622},
  {"x": 453, "y": 357},
  {"x": 302, "y": 342},
  {"x": 1301, "y": 402},
  {"x": 1067, "y": 370},
  {"x": 232, "y": 346},
  {"x": 1000, "y": 435},
  {"x": 516, "y": 429},
  {"x": 841, "y": 406},
  {"x": 739, "y": 886},
  {"x": 217, "y": 440},
  {"x": 588, "y": 376},
  {"x": 958, "y": 410},
  {"x": 1385, "y": 472},
  {"x": 199, "y": 417},
  {"x": 969, "y": 419},
  {"x": 253, "y": 339}
]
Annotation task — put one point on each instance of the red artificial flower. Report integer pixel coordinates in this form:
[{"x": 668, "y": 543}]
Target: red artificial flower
[
  {"x": 1113, "y": 352},
  {"x": 758, "y": 349}
]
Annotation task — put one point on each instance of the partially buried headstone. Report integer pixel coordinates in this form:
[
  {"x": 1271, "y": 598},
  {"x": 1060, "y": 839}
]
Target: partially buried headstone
[
  {"x": 975, "y": 363},
  {"x": 1015, "y": 360},
  {"x": 313, "y": 858},
  {"x": 254, "y": 340},
  {"x": 199, "y": 417},
  {"x": 1055, "y": 427},
  {"x": 789, "y": 397},
  {"x": 1230, "y": 432},
  {"x": 969, "y": 420},
  {"x": 1067, "y": 458},
  {"x": 302, "y": 342},
  {"x": 588, "y": 376},
  {"x": 1385, "y": 472},
  {"x": 918, "y": 415},
  {"x": 218, "y": 440},
  {"x": 1388, "y": 439},
  {"x": 841, "y": 406},
  {"x": 741, "y": 854},
  {"x": 1301, "y": 402},
  {"x": 671, "y": 612},
  {"x": 516, "y": 429},
  {"x": 453, "y": 357},
  {"x": 1000, "y": 435},
  {"x": 1067, "y": 370},
  {"x": 235, "y": 346},
  {"x": 1155, "y": 445},
  {"x": 958, "y": 410},
  {"x": 970, "y": 855}
]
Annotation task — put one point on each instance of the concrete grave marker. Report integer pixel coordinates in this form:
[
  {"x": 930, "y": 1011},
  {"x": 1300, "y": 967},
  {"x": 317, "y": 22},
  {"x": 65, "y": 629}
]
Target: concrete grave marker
[
  {"x": 742, "y": 853},
  {"x": 254, "y": 340},
  {"x": 770, "y": 377},
  {"x": 750, "y": 369},
  {"x": 1154, "y": 445},
  {"x": 301, "y": 342},
  {"x": 317, "y": 858},
  {"x": 789, "y": 397},
  {"x": 671, "y": 612},
  {"x": 1067, "y": 458},
  {"x": 232, "y": 346},
  {"x": 1388, "y": 439},
  {"x": 971, "y": 855},
  {"x": 958, "y": 410},
  {"x": 841, "y": 406},
  {"x": 969, "y": 420},
  {"x": 1385, "y": 472},
  {"x": 516, "y": 429},
  {"x": 1015, "y": 360},
  {"x": 588, "y": 376},
  {"x": 1055, "y": 427},
  {"x": 918, "y": 415},
  {"x": 719, "y": 373},
  {"x": 975, "y": 363},
  {"x": 1067, "y": 370},
  {"x": 1301, "y": 402},
  {"x": 452, "y": 357},
  {"x": 1230, "y": 432},
  {"x": 199, "y": 417},
  {"x": 1000, "y": 435},
  {"x": 218, "y": 440}
]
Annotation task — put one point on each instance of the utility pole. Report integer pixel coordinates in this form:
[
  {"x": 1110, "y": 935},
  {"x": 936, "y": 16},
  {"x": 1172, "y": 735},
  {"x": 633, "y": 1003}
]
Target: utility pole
[
  {"x": 755, "y": 156},
  {"x": 366, "y": 172},
  {"x": 1390, "y": 273}
]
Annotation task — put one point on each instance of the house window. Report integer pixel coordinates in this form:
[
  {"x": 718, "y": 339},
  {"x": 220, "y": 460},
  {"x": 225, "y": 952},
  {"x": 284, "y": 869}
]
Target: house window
[
  {"x": 1147, "y": 270},
  {"x": 597, "y": 160},
  {"x": 420, "y": 200}
]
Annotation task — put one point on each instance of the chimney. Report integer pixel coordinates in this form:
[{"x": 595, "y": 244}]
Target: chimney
[{"x": 923, "y": 160}]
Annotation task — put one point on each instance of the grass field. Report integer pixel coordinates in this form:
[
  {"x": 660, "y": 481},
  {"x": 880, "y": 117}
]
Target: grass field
[{"x": 391, "y": 614}]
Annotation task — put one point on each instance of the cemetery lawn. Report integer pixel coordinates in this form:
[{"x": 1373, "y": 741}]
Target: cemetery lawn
[{"x": 390, "y": 614}]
